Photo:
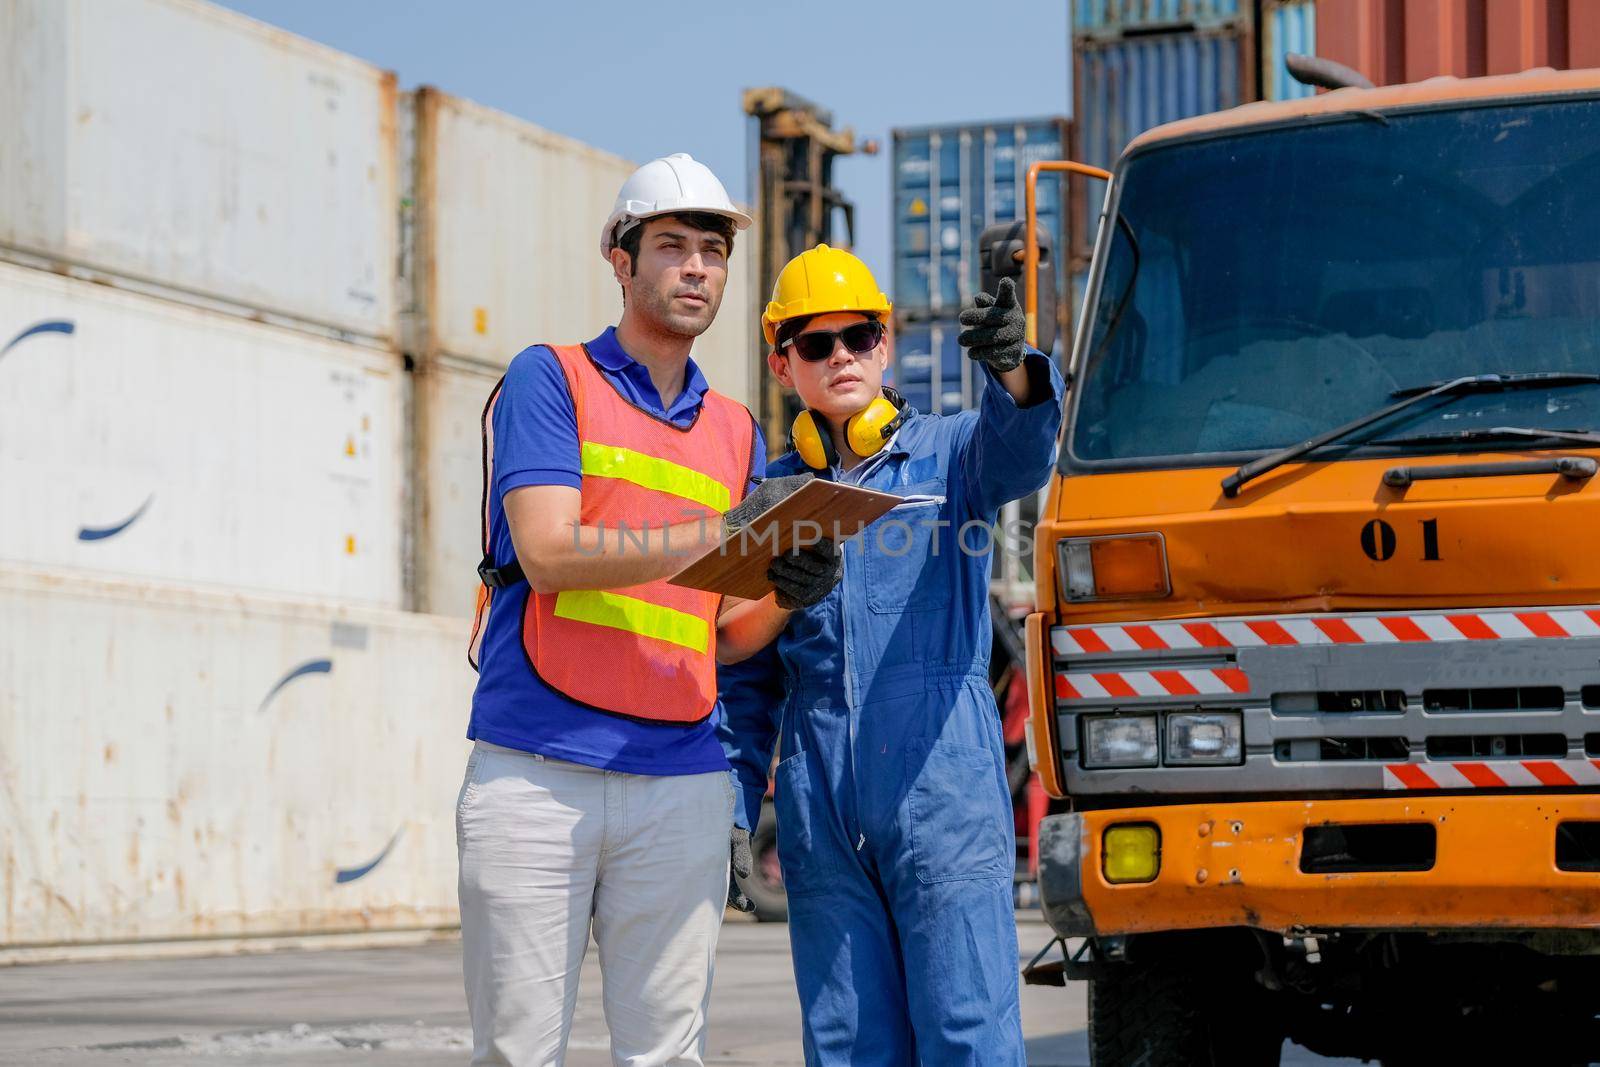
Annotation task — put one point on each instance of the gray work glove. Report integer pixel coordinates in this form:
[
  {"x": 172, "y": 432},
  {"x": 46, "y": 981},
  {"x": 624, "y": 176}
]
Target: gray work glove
[
  {"x": 996, "y": 328},
  {"x": 804, "y": 576},
  {"x": 742, "y": 863},
  {"x": 762, "y": 497}
]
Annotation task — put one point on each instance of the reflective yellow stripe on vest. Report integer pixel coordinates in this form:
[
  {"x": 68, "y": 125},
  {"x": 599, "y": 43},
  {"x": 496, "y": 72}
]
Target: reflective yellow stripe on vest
[
  {"x": 635, "y": 616},
  {"x": 652, "y": 472}
]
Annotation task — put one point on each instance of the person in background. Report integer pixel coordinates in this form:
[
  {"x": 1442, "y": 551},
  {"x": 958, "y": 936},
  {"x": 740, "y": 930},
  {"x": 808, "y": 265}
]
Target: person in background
[
  {"x": 596, "y": 796},
  {"x": 894, "y": 818}
]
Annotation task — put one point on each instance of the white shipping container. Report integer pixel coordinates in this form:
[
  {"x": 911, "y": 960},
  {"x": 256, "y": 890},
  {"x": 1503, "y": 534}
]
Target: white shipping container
[
  {"x": 171, "y": 144},
  {"x": 146, "y": 438},
  {"x": 508, "y": 243},
  {"x": 508, "y": 229},
  {"x": 450, "y": 397},
  {"x": 224, "y": 766}
]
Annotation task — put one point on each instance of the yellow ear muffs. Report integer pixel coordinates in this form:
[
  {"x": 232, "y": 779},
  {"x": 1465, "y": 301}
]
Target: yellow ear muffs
[
  {"x": 808, "y": 437},
  {"x": 866, "y": 432},
  {"x": 869, "y": 430}
]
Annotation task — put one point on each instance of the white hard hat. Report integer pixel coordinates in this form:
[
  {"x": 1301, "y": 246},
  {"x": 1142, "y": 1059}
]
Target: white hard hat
[{"x": 666, "y": 186}]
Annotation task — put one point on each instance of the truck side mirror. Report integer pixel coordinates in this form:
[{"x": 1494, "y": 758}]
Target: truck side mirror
[{"x": 1000, "y": 254}]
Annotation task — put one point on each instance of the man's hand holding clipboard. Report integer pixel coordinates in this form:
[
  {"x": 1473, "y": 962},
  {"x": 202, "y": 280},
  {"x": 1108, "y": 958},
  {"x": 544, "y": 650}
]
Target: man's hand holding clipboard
[{"x": 818, "y": 509}]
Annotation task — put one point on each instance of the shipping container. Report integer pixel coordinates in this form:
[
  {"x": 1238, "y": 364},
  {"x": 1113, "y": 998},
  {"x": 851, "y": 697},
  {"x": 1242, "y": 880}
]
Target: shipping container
[
  {"x": 930, "y": 370},
  {"x": 1393, "y": 42},
  {"x": 507, "y": 243},
  {"x": 450, "y": 398},
  {"x": 949, "y": 184},
  {"x": 1288, "y": 27},
  {"x": 175, "y": 147},
  {"x": 225, "y": 766},
  {"x": 508, "y": 232},
  {"x": 149, "y": 438},
  {"x": 1126, "y": 86},
  {"x": 1113, "y": 18}
]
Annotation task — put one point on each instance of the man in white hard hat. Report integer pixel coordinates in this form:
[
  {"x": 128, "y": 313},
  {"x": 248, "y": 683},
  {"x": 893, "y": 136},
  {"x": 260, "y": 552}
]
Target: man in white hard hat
[{"x": 597, "y": 795}]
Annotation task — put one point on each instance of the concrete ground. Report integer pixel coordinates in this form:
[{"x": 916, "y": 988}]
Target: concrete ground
[{"x": 403, "y": 1007}]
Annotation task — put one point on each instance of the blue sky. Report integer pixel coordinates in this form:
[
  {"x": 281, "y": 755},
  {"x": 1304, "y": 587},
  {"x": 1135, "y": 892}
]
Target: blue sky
[{"x": 643, "y": 80}]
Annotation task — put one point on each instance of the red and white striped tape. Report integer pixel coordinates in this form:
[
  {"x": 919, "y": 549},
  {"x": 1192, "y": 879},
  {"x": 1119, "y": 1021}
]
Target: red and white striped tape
[
  {"x": 1375, "y": 629},
  {"x": 1496, "y": 774},
  {"x": 1188, "y": 682}
]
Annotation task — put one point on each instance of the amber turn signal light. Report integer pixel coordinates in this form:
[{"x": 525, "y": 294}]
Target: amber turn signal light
[{"x": 1118, "y": 567}]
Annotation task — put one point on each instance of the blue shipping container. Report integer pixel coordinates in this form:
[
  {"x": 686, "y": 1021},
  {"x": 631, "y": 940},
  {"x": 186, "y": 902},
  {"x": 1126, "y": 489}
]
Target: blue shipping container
[
  {"x": 1127, "y": 86},
  {"x": 1287, "y": 27},
  {"x": 1111, "y": 18},
  {"x": 950, "y": 184},
  {"x": 931, "y": 371}
]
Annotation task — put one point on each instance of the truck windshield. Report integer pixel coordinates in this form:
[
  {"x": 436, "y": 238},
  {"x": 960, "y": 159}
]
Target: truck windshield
[{"x": 1261, "y": 288}]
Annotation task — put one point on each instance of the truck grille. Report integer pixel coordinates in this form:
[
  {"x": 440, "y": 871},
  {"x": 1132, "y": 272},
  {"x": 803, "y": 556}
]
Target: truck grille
[
  {"x": 1501, "y": 698},
  {"x": 1349, "y": 701},
  {"x": 1311, "y": 749},
  {"x": 1497, "y": 746},
  {"x": 1525, "y": 698}
]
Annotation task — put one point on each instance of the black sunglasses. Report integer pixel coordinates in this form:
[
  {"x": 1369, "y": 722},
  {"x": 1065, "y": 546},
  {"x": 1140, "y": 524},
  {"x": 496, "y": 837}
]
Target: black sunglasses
[{"x": 814, "y": 346}]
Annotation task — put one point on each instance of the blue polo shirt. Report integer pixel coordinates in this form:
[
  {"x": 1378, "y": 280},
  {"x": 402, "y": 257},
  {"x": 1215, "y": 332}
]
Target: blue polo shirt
[{"x": 536, "y": 443}]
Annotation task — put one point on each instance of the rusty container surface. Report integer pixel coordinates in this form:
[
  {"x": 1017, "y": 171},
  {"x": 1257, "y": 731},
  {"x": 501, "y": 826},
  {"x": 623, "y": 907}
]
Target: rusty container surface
[
  {"x": 1396, "y": 41},
  {"x": 209, "y": 765},
  {"x": 151, "y": 439},
  {"x": 176, "y": 147}
]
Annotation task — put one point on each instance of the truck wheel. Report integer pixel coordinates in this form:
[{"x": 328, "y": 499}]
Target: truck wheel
[
  {"x": 1168, "y": 1013},
  {"x": 764, "y": 887}
]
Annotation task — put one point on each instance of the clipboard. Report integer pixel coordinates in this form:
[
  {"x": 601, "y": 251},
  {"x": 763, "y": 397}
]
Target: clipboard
[{"x": 738, "y": 567}]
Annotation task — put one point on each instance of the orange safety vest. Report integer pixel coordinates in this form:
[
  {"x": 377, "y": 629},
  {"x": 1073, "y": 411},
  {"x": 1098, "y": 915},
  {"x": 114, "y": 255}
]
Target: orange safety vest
[{"x": 647, "y": 652}]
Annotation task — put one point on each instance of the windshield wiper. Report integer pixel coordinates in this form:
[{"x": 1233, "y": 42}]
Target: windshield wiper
[
  {"x": 1494, "y": 433},
  {"x": 1472, "y": 383},
  {"x": 1489, "y": 382}
]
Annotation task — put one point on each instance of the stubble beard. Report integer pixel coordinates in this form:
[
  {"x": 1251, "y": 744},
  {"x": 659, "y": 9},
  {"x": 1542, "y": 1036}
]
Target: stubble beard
[{"x": 656, "y": 308}]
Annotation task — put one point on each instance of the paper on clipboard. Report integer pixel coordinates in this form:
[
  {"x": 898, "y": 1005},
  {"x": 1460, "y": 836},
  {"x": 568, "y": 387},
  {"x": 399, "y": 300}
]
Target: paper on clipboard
[{"x": 738, "y": 567}]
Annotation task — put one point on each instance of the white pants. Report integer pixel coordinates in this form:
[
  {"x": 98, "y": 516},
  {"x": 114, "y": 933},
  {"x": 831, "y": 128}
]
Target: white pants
[{"x": 547, "y": 846}]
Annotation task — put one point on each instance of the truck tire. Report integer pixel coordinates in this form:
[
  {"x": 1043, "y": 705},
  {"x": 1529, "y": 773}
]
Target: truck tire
[
  {"x": 764, "y": 887},
  {"x": 1164, "y": 1012}
]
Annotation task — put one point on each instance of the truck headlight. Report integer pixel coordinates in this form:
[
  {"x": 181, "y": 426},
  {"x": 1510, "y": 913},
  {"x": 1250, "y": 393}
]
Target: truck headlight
[
  {"x": 1121, "y": 741},
  {"x": 1197, "y": 738}
]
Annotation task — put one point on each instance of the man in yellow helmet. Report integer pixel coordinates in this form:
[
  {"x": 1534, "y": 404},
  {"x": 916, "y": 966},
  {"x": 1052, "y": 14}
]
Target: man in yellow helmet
[{"x": 895, "y": 825}]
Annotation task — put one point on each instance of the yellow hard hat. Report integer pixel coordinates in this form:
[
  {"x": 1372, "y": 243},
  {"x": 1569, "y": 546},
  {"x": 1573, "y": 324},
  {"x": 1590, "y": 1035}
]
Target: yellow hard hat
[{"x": 818, "y": 281}]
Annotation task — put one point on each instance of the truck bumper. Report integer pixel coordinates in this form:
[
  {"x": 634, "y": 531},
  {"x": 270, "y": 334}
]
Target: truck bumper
[{"x": 1494, "y": 864}]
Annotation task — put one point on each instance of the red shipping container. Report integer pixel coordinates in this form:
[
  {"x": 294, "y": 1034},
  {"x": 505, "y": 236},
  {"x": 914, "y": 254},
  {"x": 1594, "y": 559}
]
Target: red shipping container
[{"x": 1395, "y": 41}]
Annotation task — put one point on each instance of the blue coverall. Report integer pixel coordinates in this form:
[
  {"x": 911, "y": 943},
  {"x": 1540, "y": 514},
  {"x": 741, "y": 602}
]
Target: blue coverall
[{"x": 894, "y": 818}]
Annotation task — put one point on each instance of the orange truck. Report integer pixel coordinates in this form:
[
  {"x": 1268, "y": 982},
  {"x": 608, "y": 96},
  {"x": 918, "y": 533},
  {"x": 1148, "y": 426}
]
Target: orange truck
[{"x": 1315, "y": 665}]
